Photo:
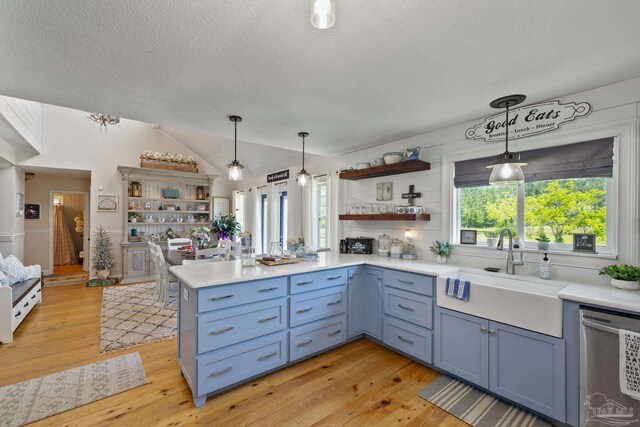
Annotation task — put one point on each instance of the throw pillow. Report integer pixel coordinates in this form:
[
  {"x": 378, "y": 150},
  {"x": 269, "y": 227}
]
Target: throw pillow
[
  {"x": 4, "y": 281},
  {"x": 13, "y": 269}
]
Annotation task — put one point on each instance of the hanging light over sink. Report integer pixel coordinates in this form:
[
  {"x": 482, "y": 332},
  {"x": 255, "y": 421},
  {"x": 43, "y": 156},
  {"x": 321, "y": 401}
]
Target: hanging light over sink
[
  {"x": 235, "y": 168},
  {"x": 303, "y": 175},
  {"x": 323, "y": 14},
  {"x": 507, "y": 169}
]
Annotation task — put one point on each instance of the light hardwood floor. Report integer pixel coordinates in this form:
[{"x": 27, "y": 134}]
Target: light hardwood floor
[{"x": 359, "y": 384}]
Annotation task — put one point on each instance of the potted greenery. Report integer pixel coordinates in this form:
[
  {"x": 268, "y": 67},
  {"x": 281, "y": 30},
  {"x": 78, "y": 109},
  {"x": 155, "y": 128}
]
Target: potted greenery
[
  {"x": 492, "y": 238},
  {"x": 133, "y": 217},
  {"x": 623, "y": 276},
  {"x": 442, "y": 250},
  {"x": 102, "y": 253},
  {"x": 226, "y": 226},
  {"x": 543, "y": 241},
  {"x": 245, "y": 239}
]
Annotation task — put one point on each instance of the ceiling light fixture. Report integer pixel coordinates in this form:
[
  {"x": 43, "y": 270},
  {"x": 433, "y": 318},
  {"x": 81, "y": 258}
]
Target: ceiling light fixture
[
  {"x": 303, "y": 175},
  {"x": 507, "y": 167},
  {"x": 103, "y": 119},
  {"x": 235, "y": 168},
  {"x": 323, "y": 14}
]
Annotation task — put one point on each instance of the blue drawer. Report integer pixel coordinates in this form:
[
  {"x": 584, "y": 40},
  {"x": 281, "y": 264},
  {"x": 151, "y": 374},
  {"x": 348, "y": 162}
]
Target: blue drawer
[
  {"x": 318, "y": 280},
  {"x": 221, "y": 328},
  {"x": 414, "y": 308},
  {"x": 409, "y": 281},
  {"x": 316, "y": 305},
  {"x": 237, "y": 363},
  {"x": 408, "y": 338},
  {"x": 217, "y": 297},
  {"x": 315, "y": 337}
]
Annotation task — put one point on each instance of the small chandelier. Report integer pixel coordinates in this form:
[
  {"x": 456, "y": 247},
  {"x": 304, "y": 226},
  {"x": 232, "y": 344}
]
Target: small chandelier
[
  {"x": 303, "y": 175},
  {"x": 323, "y": 14},
  {"x": 507, "y": 169},
  {"x": 235, "y": 168},
  {"x": 103, "y": 119}
]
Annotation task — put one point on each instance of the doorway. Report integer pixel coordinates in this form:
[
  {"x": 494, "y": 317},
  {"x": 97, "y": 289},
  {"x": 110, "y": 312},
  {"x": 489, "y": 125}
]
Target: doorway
[{"x": 69, "y": 251}]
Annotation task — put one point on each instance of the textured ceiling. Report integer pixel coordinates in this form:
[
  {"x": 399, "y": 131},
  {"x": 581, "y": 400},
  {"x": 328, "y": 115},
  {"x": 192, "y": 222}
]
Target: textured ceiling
[{"x": 385, "y": 71}]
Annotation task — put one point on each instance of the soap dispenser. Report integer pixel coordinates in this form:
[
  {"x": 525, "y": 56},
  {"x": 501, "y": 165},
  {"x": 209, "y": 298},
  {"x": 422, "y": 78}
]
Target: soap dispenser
[{"x": 545, "y": 268}]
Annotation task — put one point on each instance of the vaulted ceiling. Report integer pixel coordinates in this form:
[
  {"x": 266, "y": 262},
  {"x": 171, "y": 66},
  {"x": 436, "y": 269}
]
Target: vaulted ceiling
[{"x": 386, "y": 70}]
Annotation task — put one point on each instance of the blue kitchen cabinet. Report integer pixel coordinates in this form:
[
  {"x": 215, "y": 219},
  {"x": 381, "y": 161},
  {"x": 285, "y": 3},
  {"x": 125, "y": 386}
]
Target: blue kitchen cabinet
[
  {"x": 528, "y": 368},
  {"x": 462, "y": 346},
  {"x": 355, "y": 314},
  {"x": 373, "y": 303}
]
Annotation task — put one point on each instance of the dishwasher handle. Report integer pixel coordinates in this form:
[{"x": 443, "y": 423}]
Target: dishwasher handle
[{"x": 600, "y": 326}]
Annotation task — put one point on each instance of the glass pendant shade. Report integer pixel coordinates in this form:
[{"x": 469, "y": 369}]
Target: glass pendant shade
[
  {"x": 506, "y": 174},
  {"x": 507, "y": 169},
  {"x": 235, "y": 171},
  {"x": 303, "y": 178},
  {"x": 323, "y": 14}
]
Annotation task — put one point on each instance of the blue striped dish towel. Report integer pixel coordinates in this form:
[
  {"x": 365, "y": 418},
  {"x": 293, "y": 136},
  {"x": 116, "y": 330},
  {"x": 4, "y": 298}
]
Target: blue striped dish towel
[{"x": 458, "y": 288}]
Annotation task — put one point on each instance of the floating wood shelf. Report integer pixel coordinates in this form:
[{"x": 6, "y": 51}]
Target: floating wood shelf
[
  {"x": 385, "y": 170},
  {"x": 385, "y": 217}
]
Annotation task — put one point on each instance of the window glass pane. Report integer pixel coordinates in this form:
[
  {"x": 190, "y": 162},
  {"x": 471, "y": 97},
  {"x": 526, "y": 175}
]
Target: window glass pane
[
  {"x": 559, "y": 208},
  {"x": 322, "y": 201},
  {"x": 239, "y": 203},
  {"x": 284, "y": 209},
  {"x": 488, "y": 209},
  {"x": 263, "y": 223}
]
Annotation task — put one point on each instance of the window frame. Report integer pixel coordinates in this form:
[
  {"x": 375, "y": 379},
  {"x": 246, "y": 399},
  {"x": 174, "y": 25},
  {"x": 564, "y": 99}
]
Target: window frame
[
  {"x": 264, "y": 212},
  {"x": 321, "y": 182},
  {"x": 283, "y": 200}
]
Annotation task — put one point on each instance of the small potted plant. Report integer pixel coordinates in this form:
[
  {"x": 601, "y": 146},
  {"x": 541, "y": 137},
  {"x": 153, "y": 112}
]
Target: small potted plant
[
  {"x": 623, "y": 276},
  {"x": 492, "y": 238},
  {"x": 442, "y": 250},
  {"x": 133, "y": 217},
  {"x": 202, "y": 237},
  {"x": 245, "y": 239},
  {"x": 295, "y": 243},
  {"x": 103, "y": 257},
  {"x": 543, "y": 241},
  {"x": 226, "y": 226}
]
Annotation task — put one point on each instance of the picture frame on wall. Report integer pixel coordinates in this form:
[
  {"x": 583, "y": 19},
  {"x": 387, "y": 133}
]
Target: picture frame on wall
[
  {"x": 384, "y": 191},
  {"x": 221, "y": 206},
  {"x": 107, "y": 203},
  {"x": 584, "y": 242},
  {"x": 468, "y": 237},
  {"x": 32, "y": 211}
]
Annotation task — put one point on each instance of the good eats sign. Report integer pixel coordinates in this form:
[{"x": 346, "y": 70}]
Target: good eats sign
[{"x": 528, "y": 121}]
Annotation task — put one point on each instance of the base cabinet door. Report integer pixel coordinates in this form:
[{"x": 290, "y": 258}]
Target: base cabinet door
[
  {"x": 138, "y": 261},
  {"x": 528, "y": 368},
  {"x": 462, "y": 346},
  {"x": 373, "y": 302},
  {"x": 355, "y": 315}
]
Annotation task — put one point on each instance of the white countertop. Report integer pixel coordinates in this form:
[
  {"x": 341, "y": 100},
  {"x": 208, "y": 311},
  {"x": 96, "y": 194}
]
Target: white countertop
[
  {"x": 200, "y": 275},
  {"x": 604, "y": 296}
]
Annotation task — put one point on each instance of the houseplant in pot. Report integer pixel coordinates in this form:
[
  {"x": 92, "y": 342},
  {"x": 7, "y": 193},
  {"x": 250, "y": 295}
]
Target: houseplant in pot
[
  {"x": 226, "y": 226},
  {"x": 543, "y": 241},
  {"x": 102, "y": 253},
  {"x": 245, "y": 239},
  {"x": 492, "y": 238},
  {"x": 623, "y": 276},
  {"x": 442, "y": 250}
]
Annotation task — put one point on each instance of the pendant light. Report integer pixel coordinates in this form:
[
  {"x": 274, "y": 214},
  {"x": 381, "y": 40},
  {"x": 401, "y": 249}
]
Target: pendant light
[
  {"x": 235, "y": 168},
  {"x": 303, "y": 175},
  {"x": 323, "y": 14},
  {"x": 507, "y": 167}
]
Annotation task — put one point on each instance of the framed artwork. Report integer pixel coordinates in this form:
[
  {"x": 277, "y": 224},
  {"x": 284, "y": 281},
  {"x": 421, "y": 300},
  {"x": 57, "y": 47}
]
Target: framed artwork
[
  {"x": 107, "y": 203},
  {"x": 221, "y": 206},
  {"x": 32, "y": 211},
  {"x": 583, "y": 242},
  {"x": 468, "y": 237},
  {"x": 384, "y": 191}
]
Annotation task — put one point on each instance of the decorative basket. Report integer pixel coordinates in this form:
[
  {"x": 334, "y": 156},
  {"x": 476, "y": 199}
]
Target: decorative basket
[{"x": 168, "y": 166}]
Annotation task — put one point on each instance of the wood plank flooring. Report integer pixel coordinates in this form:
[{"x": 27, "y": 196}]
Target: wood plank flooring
[{"x": 359, "y": 384}]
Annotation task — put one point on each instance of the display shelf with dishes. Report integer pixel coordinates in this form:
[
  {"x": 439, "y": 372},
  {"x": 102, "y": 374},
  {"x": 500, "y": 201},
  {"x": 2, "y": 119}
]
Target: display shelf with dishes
[{"x": 401, "y": 167}]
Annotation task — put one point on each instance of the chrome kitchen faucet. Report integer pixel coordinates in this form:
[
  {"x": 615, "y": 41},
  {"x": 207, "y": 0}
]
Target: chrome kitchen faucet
[{"x": 511, "y": 263}]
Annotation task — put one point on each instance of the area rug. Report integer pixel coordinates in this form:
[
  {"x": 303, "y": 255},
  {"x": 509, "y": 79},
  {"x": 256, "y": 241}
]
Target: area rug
[
  {"x": 43, "y": 397},
  {"x": 132, "y": 315},
  {"x": 476, "y": 407},
  {"x": 66, "y": 279}
]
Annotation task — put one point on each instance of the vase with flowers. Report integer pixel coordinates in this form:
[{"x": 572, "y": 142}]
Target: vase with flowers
[
  {"x": 442, "y": 250},
  {"x": 294, "y": 243},
  {"x": 226, "y": 226}
]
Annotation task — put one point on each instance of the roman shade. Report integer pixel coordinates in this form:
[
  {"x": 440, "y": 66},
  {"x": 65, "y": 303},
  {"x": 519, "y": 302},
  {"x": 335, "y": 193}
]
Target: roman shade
[{"x": 581, "y": 160}]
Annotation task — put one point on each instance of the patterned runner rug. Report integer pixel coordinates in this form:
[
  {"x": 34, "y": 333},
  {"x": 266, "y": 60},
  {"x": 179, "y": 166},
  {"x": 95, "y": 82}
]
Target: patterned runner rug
[
  {"x": 132, "y": 315},
  {"x": 476, "y": 407},
  {"x": 43, "y": 397}
]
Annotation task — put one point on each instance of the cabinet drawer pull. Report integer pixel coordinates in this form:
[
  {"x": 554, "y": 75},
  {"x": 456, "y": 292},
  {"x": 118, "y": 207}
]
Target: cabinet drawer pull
[
  {"x": 304, "y": 283},
  {"x": 266, "y": 319},
  {"x": 333, "y": 277},
  {"x": 18, "y": 314},
  {"x": 483, "y": 330},
  {"x": 406, "y": 282},
  {"x": 334, "y": 302},
  {"x": 304, "y": 310},
  {"x": 268, "y": 289},
  {"x": 218, "y": 373},
  {"x": 401, "y": 338},
  {"x": 404, "y": 307},
  {"x": 26, "y": 304},
  {"x": 330, "y": 334},
  {"x": 39, "y": 289},
  {"x": 219, "y": 298},
  {"x": 266, "y": 356},
  {"x": 492, "y": 333},
  {"x": 221, "y": 331},
  {"x": 33, "y": 296},
  {"x": 303, "y": 343}
]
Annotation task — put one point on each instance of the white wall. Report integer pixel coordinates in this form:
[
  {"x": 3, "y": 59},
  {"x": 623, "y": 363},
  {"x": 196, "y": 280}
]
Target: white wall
[
  {"x": 70, "y": 141},
  {"x": 615, "y": 113},
  {"x": 11, "y": 226}
]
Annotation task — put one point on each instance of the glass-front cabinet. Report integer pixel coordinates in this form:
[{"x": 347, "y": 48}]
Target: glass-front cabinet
[{"x": 159, "y": 205}]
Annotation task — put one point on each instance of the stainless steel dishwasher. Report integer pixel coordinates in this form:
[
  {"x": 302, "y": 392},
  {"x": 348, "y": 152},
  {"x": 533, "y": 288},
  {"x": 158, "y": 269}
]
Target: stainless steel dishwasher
[{"x": 601, "y": 401}]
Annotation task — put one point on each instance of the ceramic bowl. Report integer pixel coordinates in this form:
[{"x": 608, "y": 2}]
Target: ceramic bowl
[
  {"x": 378, "y": 161},
  {"x": 363, "y": 165},
  {"x": 393, "y": 157}
]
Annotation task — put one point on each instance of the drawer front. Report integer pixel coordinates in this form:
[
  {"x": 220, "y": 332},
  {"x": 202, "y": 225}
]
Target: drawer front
[
  {"x": 317, "y": 336},
  {"x": 218, "y": 297},
  {"x": 409, "y": 281},
  {"x": 408, "y": 338},
  {"x": 240, "y": 362},
  {"x": 231, "y": 326},
  {"x": 20, "y": 311},
  {"x": 318, "y": 280},
  {"x": 316, "y": 305},
  {"x": 414, "y": 308}
]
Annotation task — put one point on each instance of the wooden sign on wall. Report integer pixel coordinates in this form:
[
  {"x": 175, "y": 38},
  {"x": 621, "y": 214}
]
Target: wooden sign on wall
[
  {"x": 528, "y": 121},
  {"x": 278, "y": 176}
]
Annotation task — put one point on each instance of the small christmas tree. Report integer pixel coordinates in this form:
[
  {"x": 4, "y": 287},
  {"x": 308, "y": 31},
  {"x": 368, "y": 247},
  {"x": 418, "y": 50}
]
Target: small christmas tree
[{"x": 102, "y": 251}]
